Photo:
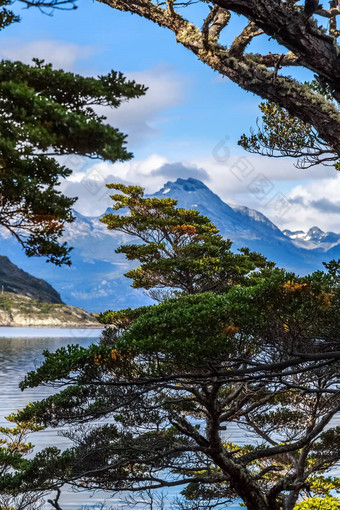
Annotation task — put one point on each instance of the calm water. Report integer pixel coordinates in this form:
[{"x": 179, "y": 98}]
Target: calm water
[{"x": 21, "y": 351}]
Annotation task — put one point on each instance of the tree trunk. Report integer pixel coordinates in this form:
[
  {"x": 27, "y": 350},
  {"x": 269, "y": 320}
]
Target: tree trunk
[{"x": 289, "y": 25}]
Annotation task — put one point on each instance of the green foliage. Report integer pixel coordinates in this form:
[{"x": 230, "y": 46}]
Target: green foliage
[
  {"x": 7, "y": 17},
  {"x": 322, "y": 485},
  {"x": 122, "y": 319},
  {"x": 5, "y": 303},
  {"x": 327, "y": 503},
  {"x": 180, "y": 250},
  {"x": 281, "y": 135},
  {"x": 281, "y": 131},
  {"x": 14, "y": 449},
  {"x": 181, "y": 372},
  {"x": 46, "y": 113}
]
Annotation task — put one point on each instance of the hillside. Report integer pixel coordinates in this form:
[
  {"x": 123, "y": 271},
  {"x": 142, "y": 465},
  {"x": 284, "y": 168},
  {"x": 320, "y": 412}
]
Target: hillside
[
  {"x": 95, "y": 280},
  {"x": 13, "y": 279},
  {"x": 22, "y": 311}
]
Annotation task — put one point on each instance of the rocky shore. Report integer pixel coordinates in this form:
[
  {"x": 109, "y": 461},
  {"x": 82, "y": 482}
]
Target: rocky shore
[{"x": 21, "y": 311}]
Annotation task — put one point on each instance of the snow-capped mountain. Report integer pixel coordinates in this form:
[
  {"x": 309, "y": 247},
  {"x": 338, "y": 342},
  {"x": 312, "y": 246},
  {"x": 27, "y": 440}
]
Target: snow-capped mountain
[
  {"x": 244, "y": 226},
  {"x": 95, "y": 280},
  {"x": 240, "y": 220},
  {"x": 314, "y": 238}
]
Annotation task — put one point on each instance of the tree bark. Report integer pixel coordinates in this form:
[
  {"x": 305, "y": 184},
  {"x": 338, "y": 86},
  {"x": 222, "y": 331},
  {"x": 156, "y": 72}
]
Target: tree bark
[{"x": 289, "y": 25}]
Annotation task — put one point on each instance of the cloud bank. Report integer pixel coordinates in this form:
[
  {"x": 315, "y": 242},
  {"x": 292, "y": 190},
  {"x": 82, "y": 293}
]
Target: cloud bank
[
  {"x": 269, "y": 186},
  {"x": 61, "y": 54}
]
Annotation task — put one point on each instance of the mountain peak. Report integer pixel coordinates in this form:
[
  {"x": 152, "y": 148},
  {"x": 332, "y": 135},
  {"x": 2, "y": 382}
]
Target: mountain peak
[
  {"x": 188, "y": 185},
  {"x": 314, "y": 238},
  {"x": 233, "y": 221},
  {"x": 315, "y": 231}
]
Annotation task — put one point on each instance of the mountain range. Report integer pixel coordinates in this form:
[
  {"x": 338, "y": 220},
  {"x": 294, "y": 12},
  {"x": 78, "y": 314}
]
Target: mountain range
[
  {"x": 95, "y": 280},
  {"x": 314, "y": 238}
]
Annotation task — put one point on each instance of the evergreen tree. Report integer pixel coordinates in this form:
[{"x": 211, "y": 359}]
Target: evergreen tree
[
  {"x": 14, "y": 447},
  {"x": 156, "y": 406},
  {"x": 46, "y": 113},
  {"x": 180, "y": 250}
]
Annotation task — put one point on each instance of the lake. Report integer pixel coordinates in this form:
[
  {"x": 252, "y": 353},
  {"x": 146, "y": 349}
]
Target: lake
[{"x": 20, "y": 352}]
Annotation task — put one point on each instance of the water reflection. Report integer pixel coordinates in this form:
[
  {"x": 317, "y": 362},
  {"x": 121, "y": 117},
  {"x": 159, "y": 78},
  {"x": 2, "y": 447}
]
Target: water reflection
[
  {"x": 17, "y": 357},
  {"x": 20, "y": 352}
]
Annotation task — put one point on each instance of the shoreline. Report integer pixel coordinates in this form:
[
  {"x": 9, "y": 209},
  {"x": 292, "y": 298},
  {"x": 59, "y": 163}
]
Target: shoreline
[
  {"x": 26, "y": 332},
  {"x": 21, "y": 311},
  {"x": 52, "y": 326}
]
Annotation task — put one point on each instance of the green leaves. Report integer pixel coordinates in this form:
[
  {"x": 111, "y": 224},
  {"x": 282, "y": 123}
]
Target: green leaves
[
  {"x": 282, "y": 134},
  {"x": 45, "y": 113},
  {"x": 327, "y": 503},
  {"x": 180, "y": 251},
  {"x": 14, "y": 447},
  {"x": 7, "y": 17}
]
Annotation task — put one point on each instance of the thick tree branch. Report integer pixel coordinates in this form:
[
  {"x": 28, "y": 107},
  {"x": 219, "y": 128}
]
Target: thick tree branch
[
  {"x": 241, "y": 42},
  {"x": 287, "y": 24},
  {"x": 220, "y": 21},
  {"x": 328, "y": 13},
  {"x": 310, "y": 47}
]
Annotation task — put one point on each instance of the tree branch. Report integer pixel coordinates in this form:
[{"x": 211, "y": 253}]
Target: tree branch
[
  {"x": 310, "y": 47},
  {"x": 246, "y": 36}
]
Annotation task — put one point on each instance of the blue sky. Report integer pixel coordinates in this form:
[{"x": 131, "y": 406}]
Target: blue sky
[{"x": 190, "y": 115}]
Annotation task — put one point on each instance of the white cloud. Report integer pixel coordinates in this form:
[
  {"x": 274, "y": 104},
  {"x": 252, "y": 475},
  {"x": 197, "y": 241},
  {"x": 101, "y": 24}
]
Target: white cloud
[
  {"x": 237, "y": 180},
  {"x": 223, "y": 178},
  {"x": 142, "y": 119},
  {"x": 61, "y": 54},
  {"x": 89, "y": 186},
  {"x": 317, "y": 203}
]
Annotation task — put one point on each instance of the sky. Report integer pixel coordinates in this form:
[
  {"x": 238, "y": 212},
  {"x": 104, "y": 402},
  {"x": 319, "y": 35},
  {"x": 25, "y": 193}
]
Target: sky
[{"x": 187, "y": 125}]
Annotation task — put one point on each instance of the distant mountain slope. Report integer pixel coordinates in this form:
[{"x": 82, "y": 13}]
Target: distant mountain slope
[
  {"x": 22, "y": 311},
  {"x": 238, "y": 222},
  {"x": 13, "y": 279},
  {"x": 314, "y": 238},
  {"x": 95, "y": 280},
  {"x": 244, "y": 226}
]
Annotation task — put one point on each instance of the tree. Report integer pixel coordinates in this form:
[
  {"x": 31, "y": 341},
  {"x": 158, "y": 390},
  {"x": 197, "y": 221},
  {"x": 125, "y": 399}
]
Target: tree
[
  {"x": 184, "y": 372},
  {"x": 46, "y": 113},
  {"x": 282, "y": 135},
  {"x": 294, "y": 24},
  {"x": 13, "y": 450},
  {"x": 179, "y": 249}
]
